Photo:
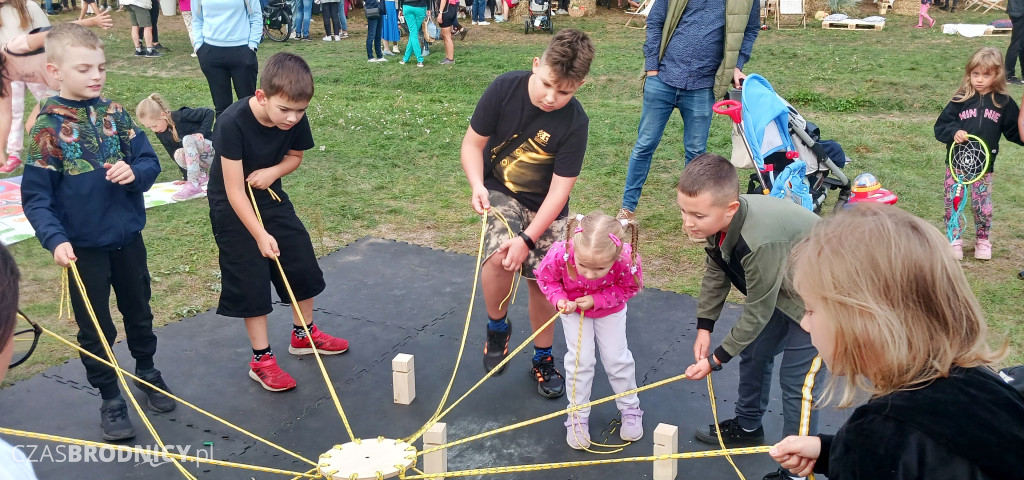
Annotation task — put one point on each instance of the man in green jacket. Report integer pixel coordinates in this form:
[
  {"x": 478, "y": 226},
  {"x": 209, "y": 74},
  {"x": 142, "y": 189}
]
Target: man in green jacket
[{"x": 749, "y": 239}]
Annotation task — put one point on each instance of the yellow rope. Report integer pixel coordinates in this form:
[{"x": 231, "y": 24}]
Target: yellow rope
[
  {"x": 585, "y": 463},
  {"x": 718, "y": 431},
  {"x": 176, "y": 398},
  {"x": 572, "y": 398},
  {"x": 485, "y": 377},
  {"x": 170, "y": 455},
  {"x": 308, "y": 472},
  {"x": 465, "y": 334},
  {"x": 554, "y": 414},
  {"x": 110, "y": 354},
  {"x": 305, "y": 326}
]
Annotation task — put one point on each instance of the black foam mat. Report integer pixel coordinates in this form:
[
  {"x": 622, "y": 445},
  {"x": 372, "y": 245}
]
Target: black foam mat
[{"x": 386, "y": 298}]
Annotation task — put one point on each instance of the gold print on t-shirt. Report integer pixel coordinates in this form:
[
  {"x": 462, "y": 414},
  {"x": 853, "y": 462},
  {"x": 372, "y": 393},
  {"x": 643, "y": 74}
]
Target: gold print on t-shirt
[{"x": 528, "y": 168}]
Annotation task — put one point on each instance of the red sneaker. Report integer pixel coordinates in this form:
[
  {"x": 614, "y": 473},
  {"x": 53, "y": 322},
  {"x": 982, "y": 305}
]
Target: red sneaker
[
  {"x": 270, "y": 375},
  {"x": 325, "y": 344},
  {"x": 13, "y": 162}
]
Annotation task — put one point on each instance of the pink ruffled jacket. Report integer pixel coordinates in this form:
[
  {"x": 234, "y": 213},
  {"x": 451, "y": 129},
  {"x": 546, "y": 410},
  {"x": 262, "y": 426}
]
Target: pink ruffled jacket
[{"x": 610, "y": 292}]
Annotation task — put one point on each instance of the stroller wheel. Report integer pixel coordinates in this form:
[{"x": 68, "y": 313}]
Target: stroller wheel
[{"x": 527, "y": 25}]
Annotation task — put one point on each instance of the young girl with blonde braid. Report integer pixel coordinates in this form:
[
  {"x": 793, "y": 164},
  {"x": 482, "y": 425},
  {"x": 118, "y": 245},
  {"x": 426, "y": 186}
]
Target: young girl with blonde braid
[
  {"x": 592, "y": 273},
  {"x": 185, "y": 133}
]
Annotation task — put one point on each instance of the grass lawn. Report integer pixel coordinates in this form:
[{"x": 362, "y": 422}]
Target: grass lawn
[{"x": 387, "y": 157}]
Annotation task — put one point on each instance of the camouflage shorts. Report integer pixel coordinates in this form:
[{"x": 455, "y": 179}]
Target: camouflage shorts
[{"x": 519, "y": 217}]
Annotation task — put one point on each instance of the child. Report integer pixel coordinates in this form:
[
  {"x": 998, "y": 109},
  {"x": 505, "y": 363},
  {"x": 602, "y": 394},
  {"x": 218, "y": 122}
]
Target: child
[
  {"x": 331, "y": 11},
  {"x": 593, "y": 273},
  {"x": 923, "y": 14},
  {"x": 10, "y": 466},
  {"x": 184, "y": 133},
  {"x": 18, "y": 17},
  {"x": 894, "y": 317},
  {"x": 979, "y": 107},
  {"x": 139, "y": 14},
  {"x": 521, "y": 154},
  {"x": 260, "y": 139},
  {"x": 88, "y": 165},
  {"x": 748, "y": 242}
]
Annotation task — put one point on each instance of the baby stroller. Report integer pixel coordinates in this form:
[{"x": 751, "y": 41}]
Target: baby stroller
[
  {"x": 540, "y": 16},
  {"x": 785, "y": 149}
]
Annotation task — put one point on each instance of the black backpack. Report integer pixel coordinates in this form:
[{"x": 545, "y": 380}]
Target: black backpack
[{"x": 1014, "y": 376}]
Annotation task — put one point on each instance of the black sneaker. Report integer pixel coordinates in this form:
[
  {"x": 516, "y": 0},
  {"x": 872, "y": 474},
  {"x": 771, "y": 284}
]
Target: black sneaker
[
  {"x": 152, "y": 53},
  {"x": 114, "y": 420},
  {"x": 140, "y": 52},
  {"x": 1014, "y": 81},
  {"x": 160, "y": 48},
  {"x": 158, "y": 402},
  {"x": 550, "y": 383},
  {"x": 780, "y": 474},
  {"x": 733, "y": 435},
  {"x": 496, "y": 348}
]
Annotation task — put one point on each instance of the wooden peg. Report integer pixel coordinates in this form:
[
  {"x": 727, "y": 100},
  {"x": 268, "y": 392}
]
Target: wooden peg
[
  {"x": 666, "y": 441},
  {"x": 435, "y": 436},
  {"x": 403, "y": 377}
]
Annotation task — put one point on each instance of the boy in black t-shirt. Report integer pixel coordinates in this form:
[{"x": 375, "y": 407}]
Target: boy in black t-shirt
[
  {"x": 258, "y": 140},
  {"x": 521, "y": 154}
]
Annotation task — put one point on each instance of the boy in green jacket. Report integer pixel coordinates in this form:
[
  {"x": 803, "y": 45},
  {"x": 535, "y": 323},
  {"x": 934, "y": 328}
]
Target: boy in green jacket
[{"x": 749, "y": 239}]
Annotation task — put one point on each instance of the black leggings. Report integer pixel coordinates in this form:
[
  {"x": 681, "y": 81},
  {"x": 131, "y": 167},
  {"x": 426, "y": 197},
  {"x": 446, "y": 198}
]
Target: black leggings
[
  {"x": 154, "y": 15},
  {"x": 332, "y": 14},
  {"x": 224, "y": 66}
]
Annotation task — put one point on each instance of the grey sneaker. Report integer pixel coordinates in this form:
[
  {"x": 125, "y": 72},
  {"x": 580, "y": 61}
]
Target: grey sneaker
[
  {"x": 447, "y": 61},
  {"x": 158, "y": 402},
  {"x": 1014, "y": 81},
  {"x": 114, "y": 420},
  {"x": 632, "y": 424},
  {"x": 732, "y": 434}
]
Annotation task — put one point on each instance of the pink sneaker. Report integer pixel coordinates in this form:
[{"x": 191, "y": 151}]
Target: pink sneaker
[
  {"x": 958, "y": 249},
  {"x": 13, "y": 162},
  {"x": 188, "y": 192},
  {"x": 577, "y": 433},
  {"x": 983, "y": 250},
  {"x": 204, "y": 178},
  {"x": 325, "y": 344}
]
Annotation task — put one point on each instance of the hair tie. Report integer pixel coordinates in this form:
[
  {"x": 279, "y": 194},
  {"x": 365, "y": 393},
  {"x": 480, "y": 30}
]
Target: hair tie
[
  {"x": 615, "y": 240},
  {"x": 623, "y": 222},
  {"x": 578, "y": 229},
  {"x": 579, "y": 217}
]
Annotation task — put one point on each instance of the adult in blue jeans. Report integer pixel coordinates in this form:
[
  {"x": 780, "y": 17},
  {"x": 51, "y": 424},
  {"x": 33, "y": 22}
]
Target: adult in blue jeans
[
  {"x": 303, "y": 15},
  {"x": 694, "y": 50}
]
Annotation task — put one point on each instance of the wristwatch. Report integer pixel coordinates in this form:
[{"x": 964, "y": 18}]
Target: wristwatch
[{"x": 715, "y": 366}]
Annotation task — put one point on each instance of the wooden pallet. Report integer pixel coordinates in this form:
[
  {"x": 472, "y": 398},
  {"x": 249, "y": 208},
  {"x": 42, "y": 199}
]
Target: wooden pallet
[
  {"x": 852, "y": 25},
  {"x": 994, "y": 32}
]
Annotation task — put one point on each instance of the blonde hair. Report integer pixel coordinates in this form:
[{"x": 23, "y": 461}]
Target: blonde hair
[
  {"x": 987, "y": 59},
  {"x": 594, "y": 237},
  {"x": 24, "y": 17},
  {"x": 155, "y": 107},
  {"x": 901, "y": 309},
  {"x": 69, "y": 35}
]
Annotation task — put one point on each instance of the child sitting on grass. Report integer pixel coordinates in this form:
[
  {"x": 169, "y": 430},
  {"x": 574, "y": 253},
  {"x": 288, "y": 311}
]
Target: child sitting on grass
[{"x": 186, "y": 134}]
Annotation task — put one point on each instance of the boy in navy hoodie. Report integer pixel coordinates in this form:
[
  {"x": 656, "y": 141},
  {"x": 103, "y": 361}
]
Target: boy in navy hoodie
[{"x": 88, "y": 165}]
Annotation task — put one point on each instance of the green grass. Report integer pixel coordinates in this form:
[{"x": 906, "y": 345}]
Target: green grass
[{"x": 388, "y": 136}]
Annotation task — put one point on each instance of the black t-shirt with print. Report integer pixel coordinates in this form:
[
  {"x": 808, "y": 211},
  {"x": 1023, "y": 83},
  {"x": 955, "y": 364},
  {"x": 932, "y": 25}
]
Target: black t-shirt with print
[
  {"x": 239, "y": 135},
  {"x": 554, "y": 146}
]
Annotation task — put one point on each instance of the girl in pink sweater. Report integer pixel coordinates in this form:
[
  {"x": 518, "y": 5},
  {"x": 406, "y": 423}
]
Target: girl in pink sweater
[{"x": 589, "y": 277}]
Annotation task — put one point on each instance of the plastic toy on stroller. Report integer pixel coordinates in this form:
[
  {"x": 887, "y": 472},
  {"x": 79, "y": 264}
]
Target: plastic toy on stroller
[
  {"x": 790, "y": 160},
  {"x": 540, "y": 16}
]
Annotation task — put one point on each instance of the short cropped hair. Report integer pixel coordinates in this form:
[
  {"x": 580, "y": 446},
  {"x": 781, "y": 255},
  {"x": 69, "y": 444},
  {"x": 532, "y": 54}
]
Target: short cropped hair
[
  {"x": 287, "y": 75},
  {"x": 710, "y": 173},
  {"x": 69, "y": 35},
  {"x": 569, "y": 55},
  {"x": 8, "y": 295}
]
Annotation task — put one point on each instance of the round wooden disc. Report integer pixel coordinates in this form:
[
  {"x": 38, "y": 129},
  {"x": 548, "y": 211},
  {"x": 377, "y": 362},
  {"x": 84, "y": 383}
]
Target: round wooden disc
[{"x": 366, "y": 459}]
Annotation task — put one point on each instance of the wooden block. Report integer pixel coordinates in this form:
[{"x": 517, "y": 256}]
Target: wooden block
[
  {"x": 993, "y": 31},
  {"x": 404, "y": 387},
  {"x": 852, "y": 25},
  {"x": 403, "y": 362},
  {"x": 435, "y": 462},
  {"x": 666, "y": 441}
]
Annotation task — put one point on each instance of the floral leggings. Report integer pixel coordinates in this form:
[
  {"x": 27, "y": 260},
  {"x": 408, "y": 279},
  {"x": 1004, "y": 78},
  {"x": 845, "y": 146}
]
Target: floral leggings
[
  {"x": 195, "y": 156},
  {"x": 981, "y": 203}
]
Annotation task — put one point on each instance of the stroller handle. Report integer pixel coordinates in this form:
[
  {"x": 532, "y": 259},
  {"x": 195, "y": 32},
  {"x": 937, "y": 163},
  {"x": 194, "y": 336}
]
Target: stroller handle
[{"x": 729, "y": 107}]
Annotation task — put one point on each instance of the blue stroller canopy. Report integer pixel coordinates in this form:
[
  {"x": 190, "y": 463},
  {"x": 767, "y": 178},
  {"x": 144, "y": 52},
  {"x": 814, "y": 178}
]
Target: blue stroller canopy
[{"x": 765, "y": 119}]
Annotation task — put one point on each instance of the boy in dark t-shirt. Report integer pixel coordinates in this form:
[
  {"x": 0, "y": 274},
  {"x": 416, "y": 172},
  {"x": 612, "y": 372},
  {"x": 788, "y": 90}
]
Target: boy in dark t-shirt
[
  {"x": 258, "y": 140},
  {"x": 521, "y": 154}
]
